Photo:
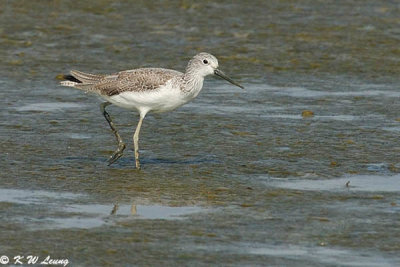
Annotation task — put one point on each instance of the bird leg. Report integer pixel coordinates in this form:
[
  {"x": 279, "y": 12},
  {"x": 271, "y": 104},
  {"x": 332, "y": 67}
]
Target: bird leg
[
  {"x": 136, "y": 142},
  {"x": 121, "y": 146}
]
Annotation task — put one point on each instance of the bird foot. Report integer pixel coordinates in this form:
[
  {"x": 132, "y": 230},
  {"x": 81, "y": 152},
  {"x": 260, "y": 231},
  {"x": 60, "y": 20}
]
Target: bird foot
[
  {"x": 137, "y": 164},
  {"x": 117, "y": 154}
]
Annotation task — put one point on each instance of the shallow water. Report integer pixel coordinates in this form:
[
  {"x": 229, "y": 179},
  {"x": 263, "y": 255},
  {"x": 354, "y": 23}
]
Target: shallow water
[
  {"x": 366, "y": 183},
  {"x": 233, "y": 178},
  {"x": 62, "y": 211}
]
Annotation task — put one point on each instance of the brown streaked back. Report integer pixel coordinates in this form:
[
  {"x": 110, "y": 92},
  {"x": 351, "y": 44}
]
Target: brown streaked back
[{"x": 136, "y": 80}]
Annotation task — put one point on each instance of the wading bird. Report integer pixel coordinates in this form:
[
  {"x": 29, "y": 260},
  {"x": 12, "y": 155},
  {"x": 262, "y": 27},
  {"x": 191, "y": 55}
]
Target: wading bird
[{"x": 146, "y": 89}]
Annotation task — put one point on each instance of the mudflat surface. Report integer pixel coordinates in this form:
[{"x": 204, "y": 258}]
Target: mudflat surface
[{"x": 233, "y": 178}]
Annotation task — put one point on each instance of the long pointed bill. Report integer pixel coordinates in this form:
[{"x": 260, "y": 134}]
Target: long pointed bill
[{"x": 223, "y": 76}]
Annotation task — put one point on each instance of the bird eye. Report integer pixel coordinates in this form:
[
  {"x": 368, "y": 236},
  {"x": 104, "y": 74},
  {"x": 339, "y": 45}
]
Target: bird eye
[{"x": 205, "y": 61}]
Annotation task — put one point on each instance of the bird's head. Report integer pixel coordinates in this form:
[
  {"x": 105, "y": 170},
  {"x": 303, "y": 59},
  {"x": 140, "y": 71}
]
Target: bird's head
[{"x": 204, "y": 64}]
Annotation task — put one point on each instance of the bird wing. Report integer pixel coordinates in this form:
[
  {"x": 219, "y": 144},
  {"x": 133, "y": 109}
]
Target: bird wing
[
  {"x": 136, "y": 80},
  {"x": 87, "y": 77}
]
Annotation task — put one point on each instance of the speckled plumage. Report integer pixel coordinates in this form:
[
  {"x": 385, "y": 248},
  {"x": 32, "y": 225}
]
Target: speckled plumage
[
  {"x": 136, "y": 80},
  {"x": 146, "y": 89}
]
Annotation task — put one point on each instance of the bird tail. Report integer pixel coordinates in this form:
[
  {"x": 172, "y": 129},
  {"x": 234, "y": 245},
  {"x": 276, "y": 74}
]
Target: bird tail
[
  {"x": 81, "y": 80},
  {"x": 69, "y": 80}
]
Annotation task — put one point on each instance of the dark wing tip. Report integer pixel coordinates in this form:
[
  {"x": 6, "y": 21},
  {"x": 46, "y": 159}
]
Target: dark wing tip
[
  {"x": 67, "y": 77},
  {"x": 71, "y": 78}
]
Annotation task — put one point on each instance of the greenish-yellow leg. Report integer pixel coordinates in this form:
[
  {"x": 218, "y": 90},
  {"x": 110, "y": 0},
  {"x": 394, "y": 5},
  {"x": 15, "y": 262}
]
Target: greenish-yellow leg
[{"x": 136, "y": 142}]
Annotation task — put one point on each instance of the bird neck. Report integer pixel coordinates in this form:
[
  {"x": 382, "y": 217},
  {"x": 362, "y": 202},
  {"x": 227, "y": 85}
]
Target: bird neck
[{"x": 192, "y": 82}]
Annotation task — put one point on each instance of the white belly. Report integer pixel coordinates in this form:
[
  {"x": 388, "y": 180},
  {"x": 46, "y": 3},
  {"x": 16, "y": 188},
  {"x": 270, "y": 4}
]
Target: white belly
[{"x": 164, "y": 99}]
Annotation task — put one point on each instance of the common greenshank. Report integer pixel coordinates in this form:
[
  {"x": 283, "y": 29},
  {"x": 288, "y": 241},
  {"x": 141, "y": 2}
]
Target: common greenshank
[{"x": 146, "y": 89}]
